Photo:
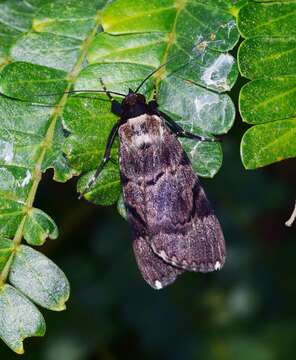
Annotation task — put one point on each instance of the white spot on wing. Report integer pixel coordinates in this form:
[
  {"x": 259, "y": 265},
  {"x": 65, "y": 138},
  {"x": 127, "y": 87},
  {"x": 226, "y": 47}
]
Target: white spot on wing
[
  {"x": 217, "y": 265},
  {"x": 158, "y": 284}
]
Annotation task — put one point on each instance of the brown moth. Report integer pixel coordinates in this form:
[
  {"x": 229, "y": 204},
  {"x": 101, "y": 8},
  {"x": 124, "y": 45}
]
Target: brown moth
[{"x": 174, "y": 227}]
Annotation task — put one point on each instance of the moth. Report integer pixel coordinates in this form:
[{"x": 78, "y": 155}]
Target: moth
[{"x": 174, "y": 227}]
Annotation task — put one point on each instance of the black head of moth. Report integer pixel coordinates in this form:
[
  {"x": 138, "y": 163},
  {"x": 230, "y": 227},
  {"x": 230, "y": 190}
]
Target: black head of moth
[{"x": 174, "y": 227}]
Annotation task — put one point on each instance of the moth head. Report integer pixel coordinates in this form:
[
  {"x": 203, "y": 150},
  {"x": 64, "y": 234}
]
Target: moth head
[
  {"x": 133, "y": 99},
  {"x": 133, "y": 105}
]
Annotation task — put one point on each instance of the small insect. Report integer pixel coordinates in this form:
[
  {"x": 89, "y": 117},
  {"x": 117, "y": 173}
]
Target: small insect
[{"x": 174, "y": 228}]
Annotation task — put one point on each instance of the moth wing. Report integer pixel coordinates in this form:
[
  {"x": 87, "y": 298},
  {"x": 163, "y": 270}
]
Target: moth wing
[
  {"x": 155, "y": 271},
  {"x": 167, "y": 206},
  {"x": 194, "y": 239},
  {"x": 182, "y": 228}
]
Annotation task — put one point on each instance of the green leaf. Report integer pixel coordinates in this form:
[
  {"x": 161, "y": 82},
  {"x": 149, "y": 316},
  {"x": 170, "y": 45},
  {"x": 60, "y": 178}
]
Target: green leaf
[
  {"x": 15, "y": 19},
  {"x": 19, "y": 319},
  {"x": 138, "y": 37},
  {"x": 267, "y": 57},
  {"x": 39, "y": 278},
  {"x": 28, "y": 141},
  {"x": 71, "y": 18},
  {"x": 265, "y": 100},
  {"x": 55, "y": 43},
  {"x": 62, "y": 47},
  {"x": 94, "y": 130},
  {"x": 264, "y": 144},
  {"x": 41, "y": 48},
  {"x": 156, "y": 16},
  {"x": 24, "y": 81},
  {"x": 6, "y": 249},
  {"x": 117, "y": 77},
  {"x": 45, "y": 47},
  {"x": 144, "y": 48},
  {"x": 267, "y": 20},
  {"x": 38, "y": 227},
  {"x": 206, "y": 157},
  {"x": 196, "y": 109},
  {"x": 121, "y": 207},
  {"x": 106, "y": 189}
]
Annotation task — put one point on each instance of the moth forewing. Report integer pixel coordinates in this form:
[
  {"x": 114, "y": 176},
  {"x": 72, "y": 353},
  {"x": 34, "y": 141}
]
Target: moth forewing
[
  {"x": 166, "y": 203},
  {"x": 155, "y": 271}
]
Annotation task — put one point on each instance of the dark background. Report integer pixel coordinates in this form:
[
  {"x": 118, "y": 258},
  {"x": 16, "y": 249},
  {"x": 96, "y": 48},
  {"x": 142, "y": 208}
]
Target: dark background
[{"x": 245, "y": 311}]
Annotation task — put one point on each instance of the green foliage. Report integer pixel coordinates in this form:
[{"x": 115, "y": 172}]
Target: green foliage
[
  {"x": 203, "y": 164},
  {"x": 106, "y": 189},
  {"x": 189, "y": 87},
  {"x": 51, "y": 288},
  {"x": 52, "y": 47},
  {"x": 6, "y": 249},
  {"x": 267, "y": 57},
  {"x": 45, "y": 48},
  {"x": 19, "y": 318},
  {"x": 16, "y": 19},
  {"x": 38, "y": 227}
]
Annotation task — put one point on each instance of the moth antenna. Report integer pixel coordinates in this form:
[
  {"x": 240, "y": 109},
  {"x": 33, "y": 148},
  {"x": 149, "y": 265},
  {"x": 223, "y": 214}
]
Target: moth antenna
[
  {"x": 105, "y": 89},
  {"x": 81, "y": 91},
  {"x": 25, "y": 101},
  {"x": 42, "y": 105},
  {"x": 151, "y": 74},
  {"x": 154, "y": 97}
]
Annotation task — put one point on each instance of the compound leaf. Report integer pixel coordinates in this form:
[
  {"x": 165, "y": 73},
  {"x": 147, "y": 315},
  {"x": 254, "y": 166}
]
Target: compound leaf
[
  {"x": 43, "y": 50},
  {"x": 53, "y": 47},
  {"x": 139, "y": 37},
  {"x": 15, "y": 19},
  {"x": 267, "y": 57}
]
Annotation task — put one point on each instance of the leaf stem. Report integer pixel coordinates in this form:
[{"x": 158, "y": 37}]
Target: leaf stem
[
  {"x": 292, "y": 217},
  {"x": 5, "y": 272},
  {"x": 172, "y": 37}
]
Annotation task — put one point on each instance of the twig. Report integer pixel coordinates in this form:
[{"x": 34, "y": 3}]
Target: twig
[{"x": 292, "y": 218}]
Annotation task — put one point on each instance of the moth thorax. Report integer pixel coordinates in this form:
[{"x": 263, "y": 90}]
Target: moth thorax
[{"x": 145, "y": 130}]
